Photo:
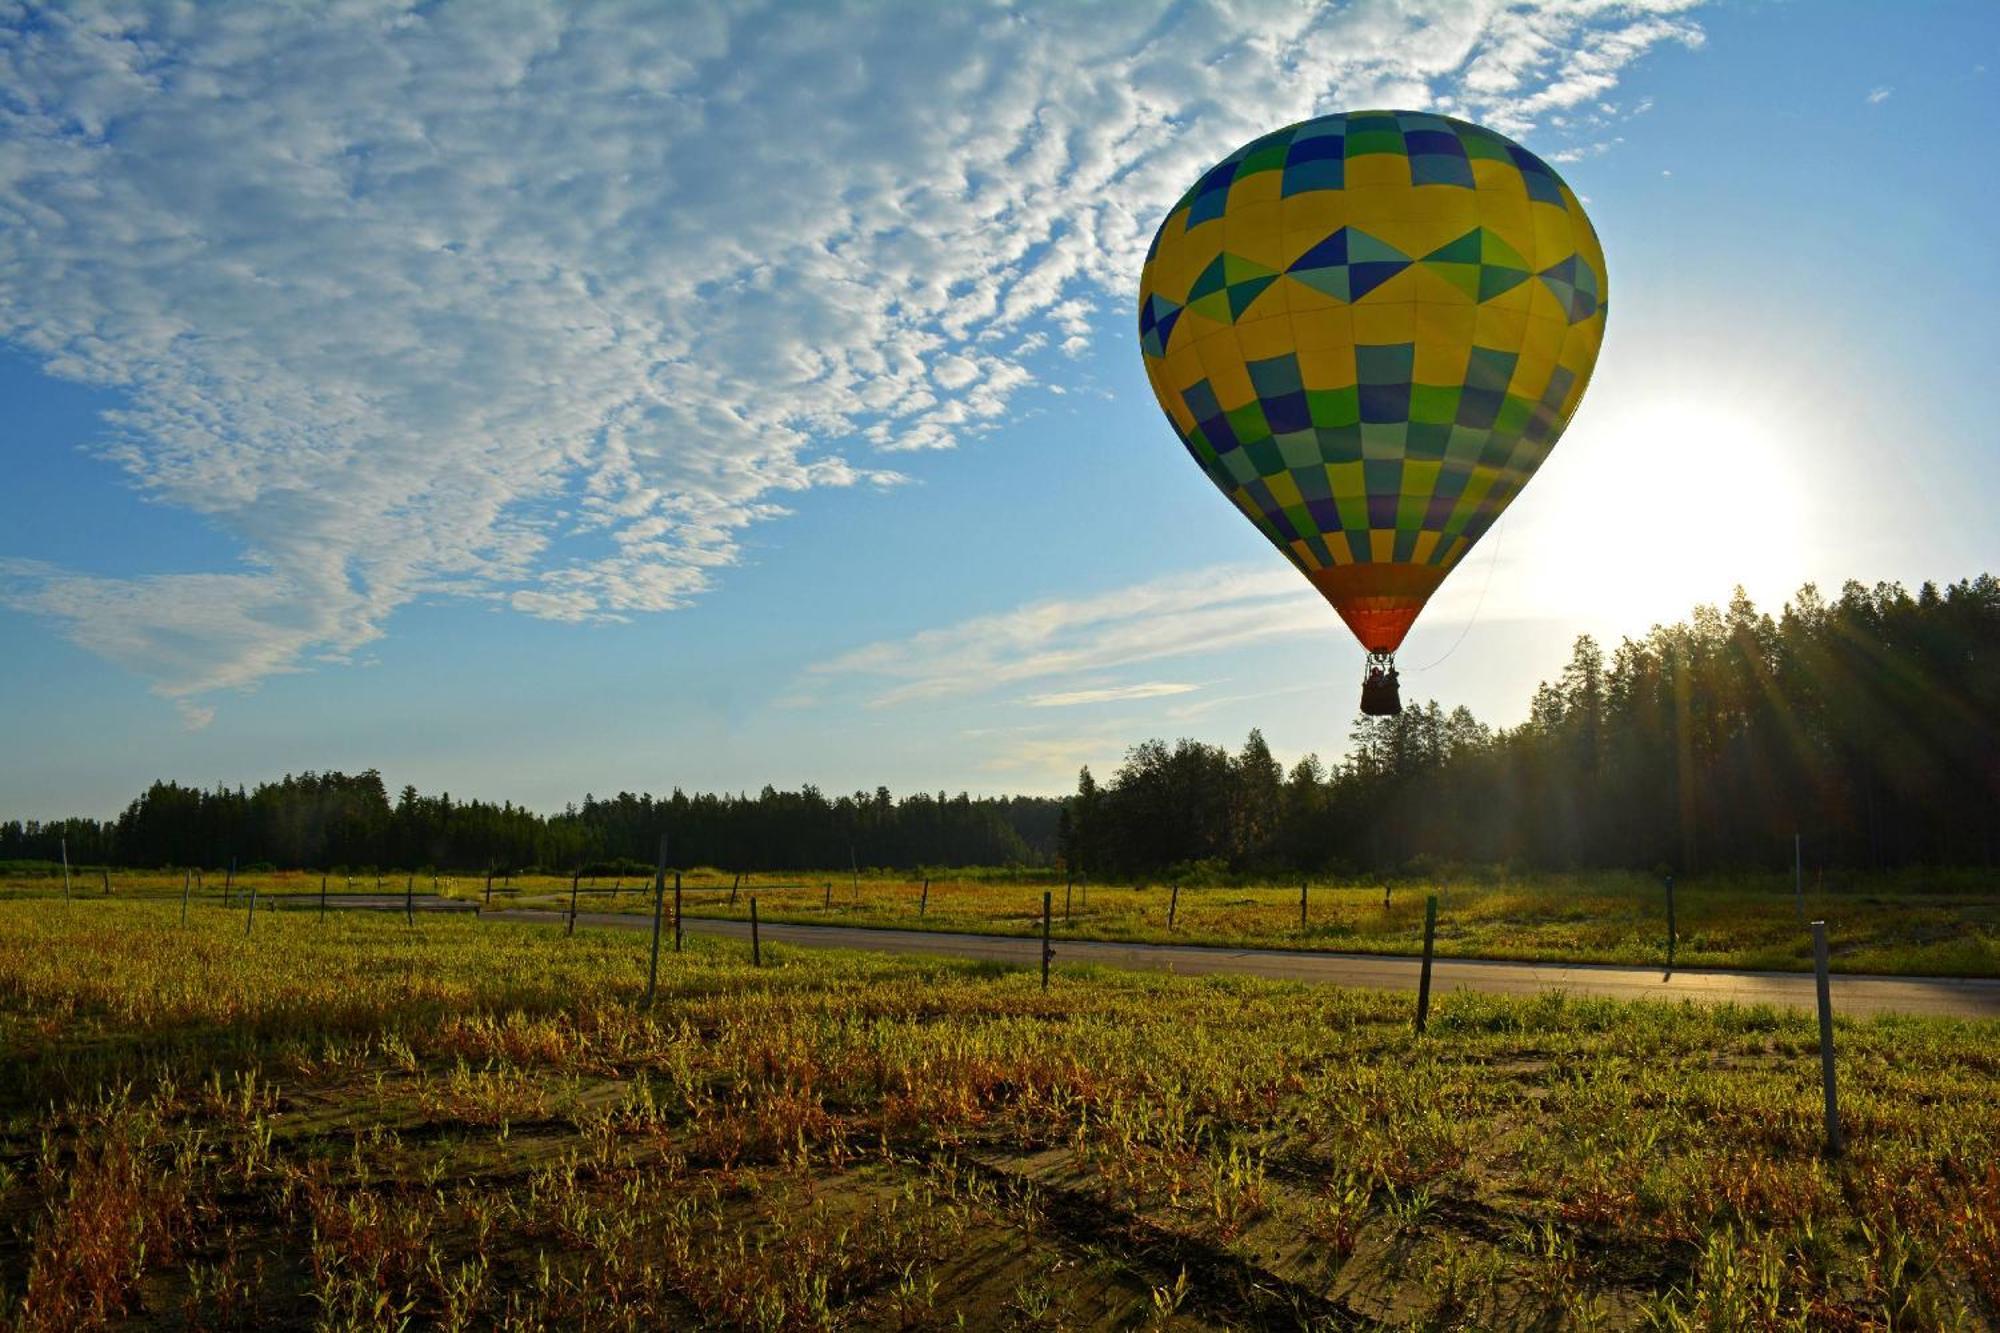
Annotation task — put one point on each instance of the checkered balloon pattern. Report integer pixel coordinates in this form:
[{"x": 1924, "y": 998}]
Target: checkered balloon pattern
[{"x": 1370, "y": 329}]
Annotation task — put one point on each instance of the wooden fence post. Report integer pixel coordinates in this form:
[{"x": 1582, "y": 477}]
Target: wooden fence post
[
  {"x": 64, "y": 843},
  {"x": 854, "y": 866},
  {"x": 322, "y": 895},
  {"x": 659, "y": 905},
  {"x": 1424, "y": 981},
  {"x": 827, "y": 904},
  {"x": 734, "y": 885},
  {"x": 1048, "y": 950},
  {"x": 489, "y": 886},
  {"x": 1068, "y": 888},
  {"x": 251, "y": 919},
  {"x": 677, "y": 911},
  {"x": 1173, "y": 906},
  {"x": 1302, "y": 906},
  {"x": 575, "y": 875},
  {"x": 1834, "y": 1145},
  {"x": 1385, "y": 897},
  {"x": 756, "y": 950},
  {"x": 410, "y": 900},
  {"x": 106, "y": 873},
  {"x": 187, "y": 887},
  {"x": 924, "y": 903}
]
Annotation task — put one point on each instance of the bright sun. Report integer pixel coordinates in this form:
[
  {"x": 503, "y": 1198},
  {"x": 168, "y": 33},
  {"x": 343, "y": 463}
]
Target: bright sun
[{"x": 1670, "y": 504}]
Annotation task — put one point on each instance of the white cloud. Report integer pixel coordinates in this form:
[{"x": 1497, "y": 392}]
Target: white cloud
[
  {"x": 1877, "y": 96},
  {"x": 547, "y": 305},
  {"x": 1105, "y": 694},
  {"x": 1176, "y": 616}
]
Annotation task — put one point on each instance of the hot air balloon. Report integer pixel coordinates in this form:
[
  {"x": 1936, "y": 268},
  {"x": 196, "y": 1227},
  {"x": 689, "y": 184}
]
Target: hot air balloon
[{"x": 1369, "y": 329}]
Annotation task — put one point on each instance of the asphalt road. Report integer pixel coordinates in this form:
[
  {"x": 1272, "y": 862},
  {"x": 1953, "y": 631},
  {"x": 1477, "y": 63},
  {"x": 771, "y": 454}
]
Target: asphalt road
[{"x": 1950, "y": 997}]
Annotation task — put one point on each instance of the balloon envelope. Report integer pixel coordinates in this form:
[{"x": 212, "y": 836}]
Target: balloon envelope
[{"x": 1370, "y": 329}]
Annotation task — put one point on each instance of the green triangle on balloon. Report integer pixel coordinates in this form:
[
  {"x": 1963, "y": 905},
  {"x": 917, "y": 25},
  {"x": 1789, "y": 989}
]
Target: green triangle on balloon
[
  {"x": 1210, "y": 283},
  {"x": 1214, "y": 306},
  {"x": 1463, "y": 276},
  {"x": 1493, "y": 250},
  {"x": 1241, "y": 294},
  {"x": 1494, "y": 280},
  {"x": 1464, "y": 250},
  {"x": 1237, "y": 269}
]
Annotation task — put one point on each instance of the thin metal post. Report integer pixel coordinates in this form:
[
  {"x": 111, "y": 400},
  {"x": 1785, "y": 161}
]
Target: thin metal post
[
  {"x": 756, "y": 950},
  {"x": 1424, "y": 980},
  {"x": 677, "y": 911},
  {"x": 1834, "y": 1146},
  {"x": 251, "y": 919},
  {"x": 1048, "y": 950},
  {"x": 659, "y": 905}
]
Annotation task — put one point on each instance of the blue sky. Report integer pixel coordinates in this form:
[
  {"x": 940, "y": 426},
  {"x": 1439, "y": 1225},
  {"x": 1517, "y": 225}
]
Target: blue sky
[{"x": 579, "y": 398}]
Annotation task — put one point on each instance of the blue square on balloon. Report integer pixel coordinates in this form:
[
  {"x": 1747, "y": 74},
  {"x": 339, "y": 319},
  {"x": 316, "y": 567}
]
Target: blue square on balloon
[
  {"x": 1541, "y": 182},
  {"x": 1385, "y": 402},
  {"x": 1208, "y": 205},
  {"x": 1219, "y": 433},
  {"x": 1382, "y": 509},
  {"x": 1316, "y": 150},
  {"x": 1201, "y": 402},
  {"x": 1478, "y": 407},
  {"x": 1437, "y": 169},
  {"x": 1317, "y": 174},
  {"x": 1274, "y": 376},
  {"x": 1432, "y": 141},
  {"x": 1385, "y": 363},
  {"x": 1325, "y": 513},
  {"x": 1287, "y": 412}
]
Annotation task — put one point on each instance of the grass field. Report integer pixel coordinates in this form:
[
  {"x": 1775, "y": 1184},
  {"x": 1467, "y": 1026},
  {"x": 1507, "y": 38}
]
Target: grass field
[
  {"x": 357, "y": 1124},
  {"x": 1939, "y": 925}
]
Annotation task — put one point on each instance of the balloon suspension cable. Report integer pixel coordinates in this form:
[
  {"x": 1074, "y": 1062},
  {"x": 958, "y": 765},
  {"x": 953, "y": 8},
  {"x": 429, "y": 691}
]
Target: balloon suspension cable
[{"x": 1477, "y": 607}]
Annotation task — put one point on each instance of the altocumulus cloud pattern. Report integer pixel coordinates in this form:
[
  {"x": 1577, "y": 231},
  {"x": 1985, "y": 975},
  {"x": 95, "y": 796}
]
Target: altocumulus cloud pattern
[{"x": 547, "y": 305}]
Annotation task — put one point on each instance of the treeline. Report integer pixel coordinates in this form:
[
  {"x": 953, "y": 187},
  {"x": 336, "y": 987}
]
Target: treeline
[
  {"x": 337, "y": 819},
  {"x": 1869, "y": 726}
]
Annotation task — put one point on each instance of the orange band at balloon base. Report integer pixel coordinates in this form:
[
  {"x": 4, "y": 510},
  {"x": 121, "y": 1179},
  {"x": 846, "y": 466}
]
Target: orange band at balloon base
[{"x": 1378, "y": 602}]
